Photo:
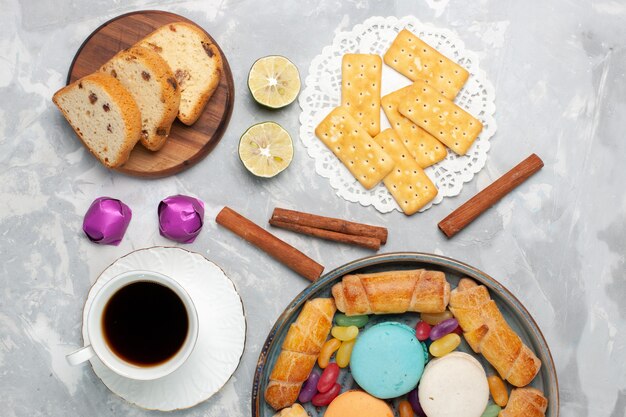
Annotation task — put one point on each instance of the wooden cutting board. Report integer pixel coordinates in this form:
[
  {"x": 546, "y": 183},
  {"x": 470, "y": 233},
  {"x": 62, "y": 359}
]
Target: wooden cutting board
[{"x": 186, "y": 145}]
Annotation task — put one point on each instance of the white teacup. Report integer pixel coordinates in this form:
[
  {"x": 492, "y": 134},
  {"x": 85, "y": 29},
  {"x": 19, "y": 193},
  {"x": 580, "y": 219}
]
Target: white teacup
[{"x": 99, "y": 346}]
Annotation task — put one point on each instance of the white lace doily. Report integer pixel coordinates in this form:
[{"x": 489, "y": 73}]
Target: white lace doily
[{"x": 322, "y": 92}]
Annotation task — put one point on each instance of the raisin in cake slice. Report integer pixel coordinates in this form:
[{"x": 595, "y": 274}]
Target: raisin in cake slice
[
  {"x": 195, "y": 61},
  {"x": 152, "y": 84},
  {"x": 103, "y": 114}
]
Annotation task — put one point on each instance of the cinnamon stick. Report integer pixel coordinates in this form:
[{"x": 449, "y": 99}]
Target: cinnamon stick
[
  {"x": 476, "y": 205},
  {"x": 330, "y": 223},
  {"x": 364, "y": 241},
  {"x": 270, "y": 244}
]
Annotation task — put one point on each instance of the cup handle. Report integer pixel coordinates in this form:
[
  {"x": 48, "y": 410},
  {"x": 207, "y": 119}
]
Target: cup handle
[{"x": 81, "y": 355}]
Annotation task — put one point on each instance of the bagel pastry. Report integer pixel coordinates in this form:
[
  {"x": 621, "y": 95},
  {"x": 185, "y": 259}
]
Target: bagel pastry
[
  {"x": 392, "y": 292},
  {"x": 525, "y": 402},
  {"x": 299, "y": 352},
  {"x": 486, "y": 331}
]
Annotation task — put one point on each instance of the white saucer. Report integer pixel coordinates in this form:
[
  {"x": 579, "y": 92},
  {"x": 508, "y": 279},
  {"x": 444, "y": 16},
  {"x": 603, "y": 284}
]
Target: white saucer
[{"x": 221, "y": 335}]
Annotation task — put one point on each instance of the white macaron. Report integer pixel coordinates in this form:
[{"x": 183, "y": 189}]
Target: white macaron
[{"x": 454, "y": 385}]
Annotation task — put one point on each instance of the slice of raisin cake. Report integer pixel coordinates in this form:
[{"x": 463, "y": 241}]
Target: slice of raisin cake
[
  {"x": 103, "y": 114},
  {"x": 152, "y": 84},
  {"x": 195, "y": 61}
]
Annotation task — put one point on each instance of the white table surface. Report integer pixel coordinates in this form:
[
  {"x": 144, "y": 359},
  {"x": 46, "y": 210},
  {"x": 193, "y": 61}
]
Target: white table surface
[{"x": 558, "y": 242}]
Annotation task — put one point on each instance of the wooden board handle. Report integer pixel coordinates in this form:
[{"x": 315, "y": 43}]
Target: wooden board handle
[
  {"x": 270, "y": 244},
  {"x": 472, "y": 208}
]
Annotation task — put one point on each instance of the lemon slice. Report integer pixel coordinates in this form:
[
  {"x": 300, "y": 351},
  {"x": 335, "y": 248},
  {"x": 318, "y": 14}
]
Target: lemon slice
[
  {"x": 274, "y": 81},
  {"x": 266, "y": 149}
]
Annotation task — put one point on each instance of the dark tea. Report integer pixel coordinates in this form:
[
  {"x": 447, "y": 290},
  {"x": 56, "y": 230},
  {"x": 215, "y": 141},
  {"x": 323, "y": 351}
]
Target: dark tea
[{"x": 145, "y": 323}]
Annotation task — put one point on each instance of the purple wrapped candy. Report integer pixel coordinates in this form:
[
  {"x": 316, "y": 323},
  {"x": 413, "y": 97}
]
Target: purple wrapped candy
[
  {"x": 106, "y": 221},
  {"x": 181, "y": 218}
]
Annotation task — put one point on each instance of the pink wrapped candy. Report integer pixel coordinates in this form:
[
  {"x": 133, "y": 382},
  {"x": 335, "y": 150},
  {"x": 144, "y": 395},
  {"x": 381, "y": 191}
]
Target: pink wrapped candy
[
  {"x": 180, "y": 218},
  {"x": 106, "y": 221}
]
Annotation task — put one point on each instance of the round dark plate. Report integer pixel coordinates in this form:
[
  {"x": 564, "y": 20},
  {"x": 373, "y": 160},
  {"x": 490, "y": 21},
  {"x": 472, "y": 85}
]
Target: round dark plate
[{"x": 514, "y": 312}]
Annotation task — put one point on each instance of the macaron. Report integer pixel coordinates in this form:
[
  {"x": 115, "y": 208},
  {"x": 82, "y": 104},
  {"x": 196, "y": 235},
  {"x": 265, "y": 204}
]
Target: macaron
[
  {"x": 357, "y": 404},
  {"x": 387, "y": 360},
  {"x": 454, "y": 385},
  {"x": 295, "y": 410}
]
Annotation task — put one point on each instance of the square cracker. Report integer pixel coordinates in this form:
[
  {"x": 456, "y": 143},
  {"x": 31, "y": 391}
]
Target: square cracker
[
  {"x": 421, "y": 145},
  {"x": 360, "y": 89},
  {"x": 407, "y": 182},
  {"x": 440, "y": 117},
  {"x": 417, "y": 60},
  {"x": 363, "y": 157}
]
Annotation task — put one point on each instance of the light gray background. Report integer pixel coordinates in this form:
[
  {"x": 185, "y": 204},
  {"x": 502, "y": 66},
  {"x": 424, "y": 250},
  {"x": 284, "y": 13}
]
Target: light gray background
[{"x": 558, "y": 242}]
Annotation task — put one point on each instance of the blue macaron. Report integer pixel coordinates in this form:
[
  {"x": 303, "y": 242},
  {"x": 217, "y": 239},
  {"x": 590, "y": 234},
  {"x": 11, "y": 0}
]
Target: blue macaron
[{"x": 387, "y": 360}]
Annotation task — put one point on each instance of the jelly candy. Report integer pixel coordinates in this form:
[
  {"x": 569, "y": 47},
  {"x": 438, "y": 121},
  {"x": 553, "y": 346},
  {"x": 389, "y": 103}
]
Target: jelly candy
[
  {"x": 344, "y": 353},
  {"x": 358, "y": 321},
  {"x": 323, "y": 399},
  {"x": 445, "y": 345},
  {"x": 498, "y": 390},
  {"x": 422, "y": 331},
  {"x": 443, "y": 328},
  {"x": 309, "y": 389},
  {"x": 327, "y": 351},
  {"x": 328, "y": 378},
  {"x": 345, "y": 333},
  {"x": 436, "y": 318},
  {"x": 405, "y": 409},
  {"x": 491, "y": 411},
  {"x": 414, "y": 400}
]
